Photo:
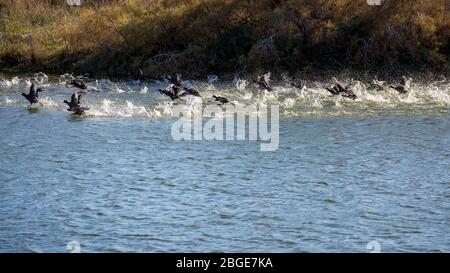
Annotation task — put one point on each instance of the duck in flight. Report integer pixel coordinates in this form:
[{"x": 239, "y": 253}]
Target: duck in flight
[
  {"x": 33, "y": 95},
  {"x": 174, "y": 90},
  {"x": 170, "y": 94},
  {"x": 264, "y": 81},
  {"x": 338, "y": 88},
  {"x": 404, "y": 86},
  {"x": 176, "y": 84},
  {"x": 190, "y": 91},
  {"x": 222, "y": 100},
  {"x": 176, "y": 80},
  {"x": 78, "y": 83}
]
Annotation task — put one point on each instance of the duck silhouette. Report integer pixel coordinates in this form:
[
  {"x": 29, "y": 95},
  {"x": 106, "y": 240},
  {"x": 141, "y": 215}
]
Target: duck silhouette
[{"x": 33, "y": 94}]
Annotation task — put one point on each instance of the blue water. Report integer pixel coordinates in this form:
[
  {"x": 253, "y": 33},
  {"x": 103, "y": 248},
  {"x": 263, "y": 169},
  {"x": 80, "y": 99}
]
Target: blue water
[{"x": 342, "y": 177}]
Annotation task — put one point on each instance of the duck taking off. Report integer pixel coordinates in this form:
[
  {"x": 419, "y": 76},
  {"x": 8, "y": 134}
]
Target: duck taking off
[
  {"x": 338, "y": 88},
  {"x": 221, "y": 99},
  {"x": 404, "y": 86},
  {"x": 176, "y": 84},
  {"x": 170, "y": 94},
  {"x": 190, "y": 91},
  {"x": 78, "y": 83},
  {"x": 33, "y": 95},
  {"x": 79, "y": 111},
  {"x": 264, "y": 81},
  {"x": 74, "y": 101},
  {"x": 176, "y": 80},
  {"x": 173, "y": 91},
  {"x": 74, "y": 104}
]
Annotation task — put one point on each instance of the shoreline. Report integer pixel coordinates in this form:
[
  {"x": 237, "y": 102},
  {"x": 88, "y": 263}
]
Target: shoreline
[{"x": 277, "y": 76}]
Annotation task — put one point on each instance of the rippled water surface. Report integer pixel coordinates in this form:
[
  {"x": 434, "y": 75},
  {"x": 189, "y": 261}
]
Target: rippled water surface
[{"x": 345, "y": 173}]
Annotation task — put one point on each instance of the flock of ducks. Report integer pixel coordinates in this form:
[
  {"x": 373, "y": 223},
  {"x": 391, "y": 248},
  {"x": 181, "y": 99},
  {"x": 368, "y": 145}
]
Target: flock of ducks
[
  {"x": 75, "y": 100},
  {"x": 346, "y": 91},
  {"x": 176, "y": 90}
]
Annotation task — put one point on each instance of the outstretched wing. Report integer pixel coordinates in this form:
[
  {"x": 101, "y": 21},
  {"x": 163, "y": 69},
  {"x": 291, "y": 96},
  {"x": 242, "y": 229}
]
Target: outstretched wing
[
  {"x": 190, "y": 91},
  {"x": 32, "y": 90},
  {"x": 179, "y": 81},
  {"x": 74, "y": 99}
]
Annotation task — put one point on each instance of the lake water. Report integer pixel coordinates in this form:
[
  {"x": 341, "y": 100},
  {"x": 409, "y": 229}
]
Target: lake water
[{"x": 345, "y": 173}]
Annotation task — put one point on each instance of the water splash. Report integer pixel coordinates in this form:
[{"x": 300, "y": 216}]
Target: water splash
[
  {"x": 144, "y": 90},
  {"x": 118, "y": 109},
  {"x": 15, "y": 82},
  {"x": 212, "y": 79},
  {"x": 124, "y": 100},
  {"x": 65, "y": 78},
  {"x": 10, "y": 101},
  {"x": 49, "y": 102},
  {"x": 41, "y": 78},
  {"x": 241, "y": 84}
]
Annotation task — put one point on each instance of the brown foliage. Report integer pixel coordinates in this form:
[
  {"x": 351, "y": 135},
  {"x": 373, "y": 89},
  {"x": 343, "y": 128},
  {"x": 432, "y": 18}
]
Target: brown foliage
[{"x": 198, "y": 36}]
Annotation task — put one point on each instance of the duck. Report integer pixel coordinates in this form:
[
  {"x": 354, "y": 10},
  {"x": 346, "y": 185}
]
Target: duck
[
  {"x": 74, "y": 101},
  {"x": 33, "y": 94},
  {"x": 264, "y": 81},
  {"x": 78, "y": 83},
  {"x": 222, "y": 100},
  {"x": 190, "y": 91},
  {"x": 176, "y": 84},
  {"x": 170, "y": 94},
  {"x": 339, "y": 88},
  {"x": 74, "y": 104},
  {"x": 404, "y": 86}
]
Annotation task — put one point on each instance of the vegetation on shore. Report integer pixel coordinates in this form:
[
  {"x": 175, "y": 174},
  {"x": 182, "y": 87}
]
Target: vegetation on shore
[{"x": 197, "y": 37}]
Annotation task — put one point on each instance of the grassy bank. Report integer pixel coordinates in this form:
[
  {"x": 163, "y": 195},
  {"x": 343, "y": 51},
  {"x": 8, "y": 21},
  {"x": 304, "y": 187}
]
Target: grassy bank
[{"x": 198, "y": 37}]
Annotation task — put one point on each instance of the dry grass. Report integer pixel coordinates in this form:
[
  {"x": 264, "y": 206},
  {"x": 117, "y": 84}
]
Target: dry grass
[{"x": 220, "y": 36}]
